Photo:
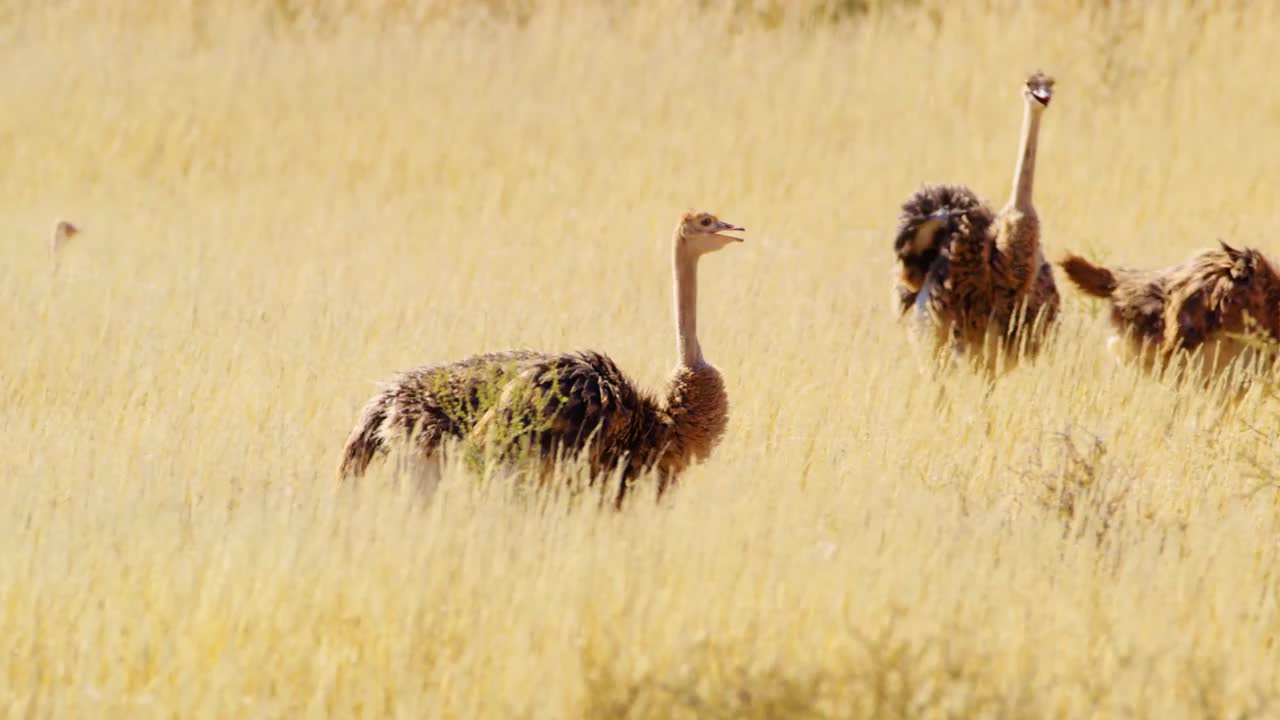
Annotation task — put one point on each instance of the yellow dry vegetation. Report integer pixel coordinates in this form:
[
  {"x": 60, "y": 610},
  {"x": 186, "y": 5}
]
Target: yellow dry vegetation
[{"x": 285, "y": 202}]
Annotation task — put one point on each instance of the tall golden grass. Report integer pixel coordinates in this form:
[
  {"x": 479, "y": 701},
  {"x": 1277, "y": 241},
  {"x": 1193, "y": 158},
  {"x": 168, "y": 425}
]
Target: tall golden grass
[{"x": 284, "y": 203}]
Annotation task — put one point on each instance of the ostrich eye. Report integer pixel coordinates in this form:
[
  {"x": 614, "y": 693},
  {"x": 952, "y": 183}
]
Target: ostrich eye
[{"x": 705, "y": 222}]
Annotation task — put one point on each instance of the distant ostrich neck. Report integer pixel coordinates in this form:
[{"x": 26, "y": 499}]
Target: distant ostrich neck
[
  {"x": 61, "y": 235},
  {"x": 1024, "y": 175},
  {"x": 685, "y": 273}
]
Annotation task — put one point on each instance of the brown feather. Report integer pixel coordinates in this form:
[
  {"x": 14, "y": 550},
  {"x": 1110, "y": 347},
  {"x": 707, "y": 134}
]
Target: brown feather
[
  {"x": 573, "y": 404},
  {"x": 1092, "y": 279},
  {"x": 973, "y": 289},
  {"x": 428, "y": 404},
  {"x": 1216, "y": 294}
]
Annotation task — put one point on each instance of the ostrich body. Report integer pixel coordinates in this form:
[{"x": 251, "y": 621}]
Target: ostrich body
[
  {"x": 573, "y": 404},
  {"x": 969, "y": 275},
  {"x": 1211, "y": 301}
]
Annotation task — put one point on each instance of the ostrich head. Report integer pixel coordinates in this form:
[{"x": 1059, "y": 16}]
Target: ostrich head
[
  {"x": 1255, "y": 286},
  {"x": 1039, "y": 88},
  {"x": 917, "y": 233},
  {"x": 699, "y": 233},
  {"x": 66, "y": 229}
]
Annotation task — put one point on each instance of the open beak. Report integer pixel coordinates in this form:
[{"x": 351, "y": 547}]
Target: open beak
[
  {"x": 722, "y": 226},
  {"x": 1042, "y": 96}
]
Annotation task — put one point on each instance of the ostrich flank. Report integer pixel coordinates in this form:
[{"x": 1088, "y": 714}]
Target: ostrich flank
[
  {"x": 968, "y": 274},
  {"x": 576, "y": 403},
  {"x": 1214, "y": 300}
]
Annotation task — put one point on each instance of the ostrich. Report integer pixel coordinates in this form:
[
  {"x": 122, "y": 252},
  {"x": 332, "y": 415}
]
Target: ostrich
[
  {"x": 1213, "y": 300},
  {"x": 968, "y": 274},
  {"x": 576, "y": 403},
  {"x": 62, "y": 234}
]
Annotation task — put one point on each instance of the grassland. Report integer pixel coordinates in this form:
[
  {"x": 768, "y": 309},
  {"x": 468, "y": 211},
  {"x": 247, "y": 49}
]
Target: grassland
[{"x": 282, "y": 206}]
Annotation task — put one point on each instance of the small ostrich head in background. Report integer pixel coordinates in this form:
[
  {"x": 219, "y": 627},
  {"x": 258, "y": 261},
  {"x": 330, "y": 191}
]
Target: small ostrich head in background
[
  {"x": 62, "y": 234},
  {"x": 917, "y": 233},
  {"x": 699, "y": 233},
  {"x": 1039, "y": 88}
]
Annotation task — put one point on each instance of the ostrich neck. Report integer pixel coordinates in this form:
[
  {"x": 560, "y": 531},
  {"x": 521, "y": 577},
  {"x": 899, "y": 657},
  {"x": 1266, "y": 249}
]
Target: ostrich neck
[
  {"x": 1024, "y": 175},
  {"x": 686, "y": 296}
]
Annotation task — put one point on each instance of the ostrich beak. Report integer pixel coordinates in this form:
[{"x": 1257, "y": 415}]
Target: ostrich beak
[
  {"x": 722, "y": 226},
  {"x": 1042, "y": 95}
]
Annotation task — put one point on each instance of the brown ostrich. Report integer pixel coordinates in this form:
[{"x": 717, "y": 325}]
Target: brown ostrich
[
  {"x": 62, "y": 234},
  {"x": 974, "y": 279},
  {"x": 63, "y": 231},
  {"x": 1213, "y": 302},
  {"x": 576, "y": 404}
]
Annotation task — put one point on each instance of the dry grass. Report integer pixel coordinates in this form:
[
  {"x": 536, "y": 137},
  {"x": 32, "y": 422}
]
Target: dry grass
[{"x": 278, "y": 212}]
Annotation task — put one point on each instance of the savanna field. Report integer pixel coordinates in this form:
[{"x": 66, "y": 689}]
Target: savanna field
[{"x": 284, "y": 203}]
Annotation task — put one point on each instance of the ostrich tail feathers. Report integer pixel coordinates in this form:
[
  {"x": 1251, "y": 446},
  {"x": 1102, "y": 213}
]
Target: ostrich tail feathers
[
  {"x": 1092, "y": 279},
  {"x": 365, "y": 440}
]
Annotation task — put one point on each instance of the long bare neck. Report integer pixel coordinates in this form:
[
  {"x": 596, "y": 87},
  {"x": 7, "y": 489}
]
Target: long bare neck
[
  {"x": 1024, "y": 175},
  {"x": 685, "y": 271}
]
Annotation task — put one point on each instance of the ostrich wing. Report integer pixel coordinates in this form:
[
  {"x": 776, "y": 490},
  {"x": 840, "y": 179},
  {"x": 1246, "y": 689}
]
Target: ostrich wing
[{"x": 571, "y": 402}]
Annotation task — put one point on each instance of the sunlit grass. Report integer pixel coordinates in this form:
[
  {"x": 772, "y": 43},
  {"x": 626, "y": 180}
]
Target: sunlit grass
[{"x": 277, "y": 214}]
